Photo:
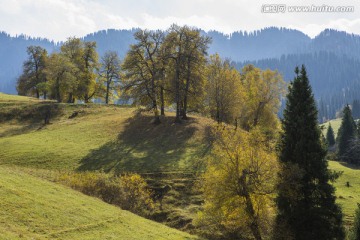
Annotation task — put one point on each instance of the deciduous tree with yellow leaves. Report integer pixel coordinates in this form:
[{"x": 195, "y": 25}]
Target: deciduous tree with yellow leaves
[
  {"x": 262, "y": 92},
  {"x": 224, "y": 91},
  {"x": 239, "y": 184}
]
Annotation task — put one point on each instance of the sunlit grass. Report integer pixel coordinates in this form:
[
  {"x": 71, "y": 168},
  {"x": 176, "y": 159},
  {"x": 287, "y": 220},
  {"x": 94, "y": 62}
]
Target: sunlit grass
[
  {"x": 108, "y": 138},
  {"x": 9, "y": 98},
  {"x": 347, "y": 197},
  {"x": 33, "y": 208},
  {"x": 62, "y": 144}
]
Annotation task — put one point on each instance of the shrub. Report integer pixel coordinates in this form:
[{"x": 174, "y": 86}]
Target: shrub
[
  {"x": 135, "y": 194},
  {"x": 130, "y": 191}
]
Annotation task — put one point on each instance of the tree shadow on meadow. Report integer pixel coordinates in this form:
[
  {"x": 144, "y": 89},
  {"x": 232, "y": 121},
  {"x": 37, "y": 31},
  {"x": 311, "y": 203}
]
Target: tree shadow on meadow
[
  {"x": 25, "y": 118},
  {"x": 350, "y": 165},
  {"x": 144, "y": 147},
  {"x": 31, "y": 113}
]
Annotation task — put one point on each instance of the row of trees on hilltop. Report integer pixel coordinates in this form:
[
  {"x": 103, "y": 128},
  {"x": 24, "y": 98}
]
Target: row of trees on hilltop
[
  {"x": 173, "y": 70},
  {"x": 73, "y": 73},
  {"x": 161, "y": 70},
  {"x": 166, "y": 68}
]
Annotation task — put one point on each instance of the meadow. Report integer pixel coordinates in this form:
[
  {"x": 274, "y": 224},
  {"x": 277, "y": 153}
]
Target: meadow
[
  {"x": 34, "y": 208},
  {"x": 108, "y": 139},
  {"x": 111, "y": 139}
]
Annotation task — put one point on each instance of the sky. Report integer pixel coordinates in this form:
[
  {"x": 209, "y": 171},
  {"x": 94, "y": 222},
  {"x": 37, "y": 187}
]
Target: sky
[{"x": 59, "y": 19}]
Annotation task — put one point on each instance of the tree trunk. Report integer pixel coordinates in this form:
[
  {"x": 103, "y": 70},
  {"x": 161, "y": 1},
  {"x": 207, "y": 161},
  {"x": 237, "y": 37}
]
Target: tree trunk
[
  {"x": 45, "y": 93},
  {"x": 184, "y": 116},
  {"x": 37, "y": 94},
  {"x": 107, "y": 92},
  {"x": 47, "y": 115},
  {"x": 187, "y": 85},
  {"x": 156, "y": 119},
  {"x": 154, "y": 98},
  {"x": 156, "y": 113},
  {"x": 177, "y": 93},
  {"x": 254, "y": 226},
  {"x": 258, "y": 113},
  {"x": 70, "y": 98},
  {"x": 162, "y": 101},
  {"x": 58, "y": 97},
  {"x": 57, "y": 87},
  {"x": 218, "y": 115},
  {"x": 86, "y": 98}
]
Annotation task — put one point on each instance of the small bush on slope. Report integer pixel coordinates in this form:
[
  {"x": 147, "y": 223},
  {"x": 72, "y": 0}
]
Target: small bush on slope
[{"x": 129, "y": 191}]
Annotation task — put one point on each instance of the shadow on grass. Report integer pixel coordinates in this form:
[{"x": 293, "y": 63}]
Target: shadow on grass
[
  {"x": 29, "y": 117},
  {"x": 350, "y": 165},
  {"x": 144, "y": 147},
  {"x": 21, "y": 130},
  {"x": 31, "y": 113}
]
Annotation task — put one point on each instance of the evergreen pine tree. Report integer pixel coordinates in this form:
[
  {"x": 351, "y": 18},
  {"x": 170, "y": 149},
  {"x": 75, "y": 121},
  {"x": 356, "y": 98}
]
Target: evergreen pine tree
[
  {"x": 330, "y": 138},
  {"x": 306, "y": 199},
  {"x": 346, "y": 133}
]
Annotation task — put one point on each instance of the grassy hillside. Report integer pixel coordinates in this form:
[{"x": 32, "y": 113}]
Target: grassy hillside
[
  {"x": 10, "y": 98},
  {"x": 108, "y": 138},
  {"x": 348, "y": 197},
  {"x": 121, "y": 139},
  {"x": 33, "y": 208}
]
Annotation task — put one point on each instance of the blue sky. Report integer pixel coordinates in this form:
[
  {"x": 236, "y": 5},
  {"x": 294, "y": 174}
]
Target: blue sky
[{"x": 59, "y": 19}]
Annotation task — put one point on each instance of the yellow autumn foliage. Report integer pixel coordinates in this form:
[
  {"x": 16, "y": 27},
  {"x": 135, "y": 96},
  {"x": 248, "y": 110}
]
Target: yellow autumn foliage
[
  {"x": 129, "y": 191},
  {"x": 239, "y": 185}
]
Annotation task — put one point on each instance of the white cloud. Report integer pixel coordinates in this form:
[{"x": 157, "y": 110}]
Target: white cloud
[{"x": 59, "y": 19}]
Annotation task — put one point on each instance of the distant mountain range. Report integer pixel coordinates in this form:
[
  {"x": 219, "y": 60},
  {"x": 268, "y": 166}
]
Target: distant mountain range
[{"x": 332, "y": 57}]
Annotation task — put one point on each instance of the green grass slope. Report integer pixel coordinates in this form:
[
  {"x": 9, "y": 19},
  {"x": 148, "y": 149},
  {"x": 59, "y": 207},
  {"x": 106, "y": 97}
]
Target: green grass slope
[
  {"x": 119, "y": 139},
  {"x": 63, "y": 143},
  {"x": 33, "y": 208},
  {"x": 108, "y": 138},
  {"x": 9, "y": 98},
  {"x": 347, "y": 197}
]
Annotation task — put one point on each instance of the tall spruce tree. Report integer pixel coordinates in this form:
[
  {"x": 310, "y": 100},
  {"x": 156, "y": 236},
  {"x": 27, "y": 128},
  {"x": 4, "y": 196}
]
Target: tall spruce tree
[
  {"x": 306, "y": 199},
  {"x": 330, "y": 138},
  {"x": 346, "y": 133}
]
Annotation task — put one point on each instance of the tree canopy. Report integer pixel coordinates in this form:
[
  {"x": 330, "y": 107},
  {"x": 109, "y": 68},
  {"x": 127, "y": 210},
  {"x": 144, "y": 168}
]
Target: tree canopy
[
  {"x": 306, "y": 199},
  {"x": 330, "y": 137},
  {"x": 33, "y": 80},
  {"x": 347, "y": 133}
]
